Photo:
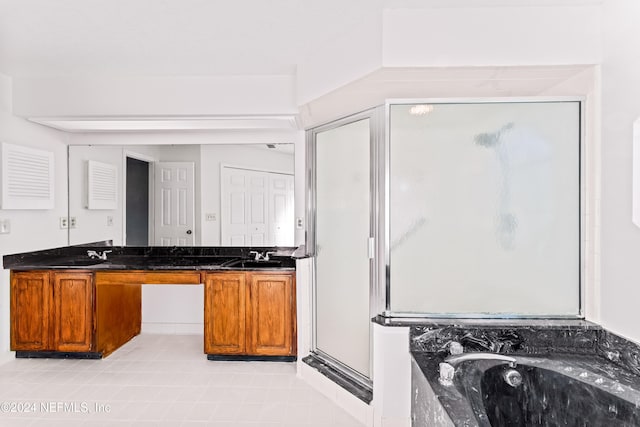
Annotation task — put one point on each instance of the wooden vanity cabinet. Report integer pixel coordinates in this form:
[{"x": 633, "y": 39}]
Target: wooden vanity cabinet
[
  {"x": 250, "y": 313},
  {"x": 52, "y": 311},
  {"x": 225, "y": 313}
]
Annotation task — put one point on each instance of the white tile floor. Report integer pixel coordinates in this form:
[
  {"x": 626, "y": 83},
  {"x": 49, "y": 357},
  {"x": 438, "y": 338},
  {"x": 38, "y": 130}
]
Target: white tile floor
[{"x": 162, "y": 380}]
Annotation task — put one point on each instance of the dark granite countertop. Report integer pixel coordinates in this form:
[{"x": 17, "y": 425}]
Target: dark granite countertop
[{"x": 153, "y": 258}]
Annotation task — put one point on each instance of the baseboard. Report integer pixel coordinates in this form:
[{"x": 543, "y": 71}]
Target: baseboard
[
  {"x": 246, "y": 358},
  {"x": 57, "y": 355}
]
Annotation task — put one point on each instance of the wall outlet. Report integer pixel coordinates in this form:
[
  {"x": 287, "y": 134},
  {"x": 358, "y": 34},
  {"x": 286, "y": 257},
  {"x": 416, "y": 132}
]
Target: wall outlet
[
  {"x": 211, "y": 217},
  {"x": 299, "y": 222},
  {"x": 72, "y": 222},
  {"x": 5, "y": 226},
  {"x": 64, "y": 222},
  {"x": 109, "y": 221}
]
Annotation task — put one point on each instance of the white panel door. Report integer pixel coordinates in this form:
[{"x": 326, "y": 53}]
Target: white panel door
[
  {"x": 255, "y": 206},
  {"x": 281, "y": 216},
  {"x": 258, "y": 213},
  {"x": 244, "y": 207},
  {"x": 174, "y": 204}
]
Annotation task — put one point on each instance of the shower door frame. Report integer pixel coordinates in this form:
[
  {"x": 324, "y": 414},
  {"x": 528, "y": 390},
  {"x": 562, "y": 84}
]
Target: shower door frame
[
  {"x": 585, "y": 230},
  {"x": 375, "y": 116}
]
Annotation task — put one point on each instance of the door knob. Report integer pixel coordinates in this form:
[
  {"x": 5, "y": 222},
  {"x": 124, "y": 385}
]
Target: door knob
[{"x": 189, "y": 231}]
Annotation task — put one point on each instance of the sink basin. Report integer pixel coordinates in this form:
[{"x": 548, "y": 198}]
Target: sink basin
[
  {"x": 79, "y": 262},
  {"x": 179, "y": 261},
  {"x": 261, "y": 264},
  {"x": 250, "y": 263}
]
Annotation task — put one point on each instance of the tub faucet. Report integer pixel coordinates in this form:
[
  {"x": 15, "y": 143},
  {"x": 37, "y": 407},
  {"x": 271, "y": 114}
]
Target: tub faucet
[
  {"x": 454, "y": 360},
  {"x": 448, "y": 367}
]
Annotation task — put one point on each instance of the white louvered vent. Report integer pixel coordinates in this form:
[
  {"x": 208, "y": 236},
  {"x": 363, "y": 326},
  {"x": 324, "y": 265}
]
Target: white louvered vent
[
  {"x": 27, "y": 178},
  {"x": 102, "y": 185}
]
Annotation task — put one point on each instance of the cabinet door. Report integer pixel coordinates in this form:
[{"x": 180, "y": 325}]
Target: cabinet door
[
  {"x": 30, "y": 302},
  {"x": 72, "y": 311},
  {"x": 271, "y": 316},
  {"x": 224, "y": 313}
]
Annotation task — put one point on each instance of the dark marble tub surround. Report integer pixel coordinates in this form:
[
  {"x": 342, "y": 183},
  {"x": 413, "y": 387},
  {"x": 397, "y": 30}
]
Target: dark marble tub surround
[
  {"x": 146, "y": 257},
  {"x": 620, "y": 351},
  {"x": 565, "y": 355},
  {"x": 527, "y": 337},
  {"x": 539, "y": 337},
  {"x": 574, "y": 390}
]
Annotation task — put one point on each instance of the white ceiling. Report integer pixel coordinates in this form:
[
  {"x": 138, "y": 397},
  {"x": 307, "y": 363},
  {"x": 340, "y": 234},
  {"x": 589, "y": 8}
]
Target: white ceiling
[
  {"x": 119, "y": 38},
  {"x": 167, "y": 37},
  {"x": 184, "y": 37}
]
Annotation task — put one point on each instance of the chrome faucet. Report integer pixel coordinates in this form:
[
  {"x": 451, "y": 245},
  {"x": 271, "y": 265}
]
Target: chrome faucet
[
  {"x": 266, "y": 257},
  {"x": 447, "y": 368},
  {"x": 455, "y": 360},
  {"x": 258, "y": 255},
  {"x": 98, "y": 255}
]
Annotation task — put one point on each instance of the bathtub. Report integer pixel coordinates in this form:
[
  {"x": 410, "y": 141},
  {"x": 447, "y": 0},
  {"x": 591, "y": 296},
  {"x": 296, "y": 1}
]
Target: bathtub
[{"x": 556, "y": 390}]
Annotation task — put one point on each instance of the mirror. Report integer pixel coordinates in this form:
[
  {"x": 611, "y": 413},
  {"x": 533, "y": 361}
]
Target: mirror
[{"x": 182, "y": 195}]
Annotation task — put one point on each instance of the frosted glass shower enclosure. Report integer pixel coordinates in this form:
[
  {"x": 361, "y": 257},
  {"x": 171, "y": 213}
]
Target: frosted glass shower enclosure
[
  {"x": 443, "y": 209},
  {"x": 342, "y": 257},
  {"x": 484, "y": 208}
]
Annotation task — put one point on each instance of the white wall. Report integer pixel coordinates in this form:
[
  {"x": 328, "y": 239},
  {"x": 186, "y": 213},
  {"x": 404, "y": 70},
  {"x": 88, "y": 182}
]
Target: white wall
[
  {"x": 342, "y": 59},
  {"x": 484, "y": 36},
  {"x": 147, "y": 96},
  {"x": 30, "y": 229},
  {"x": 173, "y": 309},
  {"x": 92, "y": 225},
  {"x": 452, "y": 37},
  {"x": 620, "y": 269}
]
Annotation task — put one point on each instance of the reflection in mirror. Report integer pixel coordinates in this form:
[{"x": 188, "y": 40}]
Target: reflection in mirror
[{"x": 182, "y": 195}]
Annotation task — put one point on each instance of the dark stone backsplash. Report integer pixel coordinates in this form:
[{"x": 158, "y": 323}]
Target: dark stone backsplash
[{"x": 619, "y": 350}]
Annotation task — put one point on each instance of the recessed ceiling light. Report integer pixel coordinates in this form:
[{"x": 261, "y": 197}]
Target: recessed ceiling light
[{"x": 421, "y": 109}]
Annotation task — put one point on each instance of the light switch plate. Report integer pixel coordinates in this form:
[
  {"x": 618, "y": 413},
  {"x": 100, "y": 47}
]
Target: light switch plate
[
  {"x": 72, "y": 222},
  {"x": 109, "y": 221},
  {"x": 5, "y": 226},
  {"x": 211, "y": 217},
  {"x": 64, "y": 222},
  {"x": 299, "y": 222}
]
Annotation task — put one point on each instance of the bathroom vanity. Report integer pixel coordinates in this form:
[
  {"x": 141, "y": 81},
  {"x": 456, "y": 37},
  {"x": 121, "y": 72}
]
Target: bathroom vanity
[{"x": 65, "y": 304}]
